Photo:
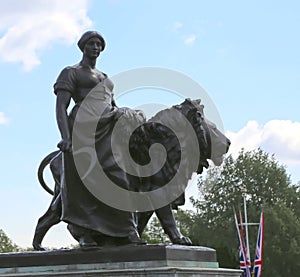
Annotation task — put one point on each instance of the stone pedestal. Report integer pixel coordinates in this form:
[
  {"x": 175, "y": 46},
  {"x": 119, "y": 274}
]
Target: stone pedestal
[{"x": 138, "y": 261}]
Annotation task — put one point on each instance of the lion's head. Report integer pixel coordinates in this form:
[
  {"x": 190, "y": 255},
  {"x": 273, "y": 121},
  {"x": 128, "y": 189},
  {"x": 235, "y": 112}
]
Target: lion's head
[{"x": 213, "y": 143}]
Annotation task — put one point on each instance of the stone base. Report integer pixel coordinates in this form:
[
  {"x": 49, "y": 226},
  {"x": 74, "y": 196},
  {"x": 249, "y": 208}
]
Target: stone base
[{"x": 138, "y": 261}]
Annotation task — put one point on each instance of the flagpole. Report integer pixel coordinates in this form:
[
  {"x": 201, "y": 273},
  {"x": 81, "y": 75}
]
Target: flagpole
[
  {"x": 246, "y": 227},
  {"x": 246, "y": 266},
  {"x": 237, "y": 228},
  {"x": 258, "y": 263}
]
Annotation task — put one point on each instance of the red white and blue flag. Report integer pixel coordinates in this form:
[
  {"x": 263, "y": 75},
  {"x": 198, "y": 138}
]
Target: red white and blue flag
[
  {"x": 257, "y": 270},
  {"x": 245, "y": 263}
]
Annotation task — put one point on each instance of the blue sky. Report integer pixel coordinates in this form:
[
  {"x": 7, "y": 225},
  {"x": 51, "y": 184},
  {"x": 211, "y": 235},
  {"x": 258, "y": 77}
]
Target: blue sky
[{"x": 245, "y": 54}]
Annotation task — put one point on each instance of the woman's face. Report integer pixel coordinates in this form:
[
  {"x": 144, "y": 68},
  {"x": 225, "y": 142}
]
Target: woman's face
[{"x": 93, "y": 48}]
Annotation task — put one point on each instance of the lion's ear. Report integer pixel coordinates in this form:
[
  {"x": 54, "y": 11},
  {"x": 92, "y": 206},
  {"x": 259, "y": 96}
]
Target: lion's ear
[{"x": 197, "y": 101}]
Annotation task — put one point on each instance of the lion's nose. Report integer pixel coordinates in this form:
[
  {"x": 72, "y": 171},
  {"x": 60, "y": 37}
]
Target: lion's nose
[{"x": 228, "y": 144}]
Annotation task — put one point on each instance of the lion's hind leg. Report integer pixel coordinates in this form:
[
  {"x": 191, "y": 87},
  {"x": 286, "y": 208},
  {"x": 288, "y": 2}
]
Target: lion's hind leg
[
  {"x": 45, "y": 222},
  {"x": 53, "y": 214}
]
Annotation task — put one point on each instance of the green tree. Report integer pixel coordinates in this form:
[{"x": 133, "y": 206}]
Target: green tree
[
  {"x": 266, "y": 186},
  {"x": 154, "y": 233},
  {"x": 6, "y": 244},
  {"x": 282, "y": 242}
]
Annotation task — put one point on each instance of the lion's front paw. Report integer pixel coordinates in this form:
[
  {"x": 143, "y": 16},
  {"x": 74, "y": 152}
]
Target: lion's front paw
[{"x": 182, "y": 241}]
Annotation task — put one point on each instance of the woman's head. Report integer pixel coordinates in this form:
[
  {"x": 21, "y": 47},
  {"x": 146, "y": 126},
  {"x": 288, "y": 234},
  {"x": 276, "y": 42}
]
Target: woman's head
[{"x": 87, "y": 36}]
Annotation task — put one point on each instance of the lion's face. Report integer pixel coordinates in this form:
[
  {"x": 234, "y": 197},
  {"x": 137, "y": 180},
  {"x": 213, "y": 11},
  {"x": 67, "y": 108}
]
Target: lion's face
[
  {"x": 212, "y": 142},
  {"x": 219, "y": 143}
]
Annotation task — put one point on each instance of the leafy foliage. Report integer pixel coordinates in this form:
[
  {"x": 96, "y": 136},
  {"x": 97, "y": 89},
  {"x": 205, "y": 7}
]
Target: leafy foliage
[
  {"x": 154, "y": 233},
  {"x": 266, "y": 186},
  {"x": 6, "y": 244}
]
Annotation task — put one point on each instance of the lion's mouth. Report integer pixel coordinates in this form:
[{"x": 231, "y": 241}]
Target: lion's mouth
[{"x": 218, "y": 160}]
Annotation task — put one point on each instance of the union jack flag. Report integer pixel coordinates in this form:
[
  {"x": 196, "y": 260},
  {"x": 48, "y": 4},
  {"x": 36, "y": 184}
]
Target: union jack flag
[
  {"x": 257, "y": 270},
  {"x": 245, "y": 263}
]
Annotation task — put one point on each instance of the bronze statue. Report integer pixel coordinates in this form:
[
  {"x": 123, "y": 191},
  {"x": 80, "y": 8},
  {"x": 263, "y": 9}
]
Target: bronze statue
[
  {"x": 90, "y": 221},
  {"x": 76, "y": 82}
]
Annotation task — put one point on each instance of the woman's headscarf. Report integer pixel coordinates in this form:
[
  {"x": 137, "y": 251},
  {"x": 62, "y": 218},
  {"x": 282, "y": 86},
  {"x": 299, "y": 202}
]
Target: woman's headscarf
[{"x": 88, "y": 35}]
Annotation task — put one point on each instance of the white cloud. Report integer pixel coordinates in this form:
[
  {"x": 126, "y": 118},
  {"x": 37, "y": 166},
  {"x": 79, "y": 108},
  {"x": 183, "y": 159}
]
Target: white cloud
[
  {"x": 177, "y": 25},
  {"x": 279, "y": 137},
  {"x": 30, "y": 26},
  {"x": 177, "y": 28},
  {"x": 190, "y": 39},
  {"x": 174, "y": 27},
  {"x": 3, "y": 119}
]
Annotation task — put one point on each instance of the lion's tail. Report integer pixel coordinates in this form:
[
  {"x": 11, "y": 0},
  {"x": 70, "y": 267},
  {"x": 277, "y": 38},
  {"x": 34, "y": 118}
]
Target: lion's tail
[{"x": 41, "y": 168}]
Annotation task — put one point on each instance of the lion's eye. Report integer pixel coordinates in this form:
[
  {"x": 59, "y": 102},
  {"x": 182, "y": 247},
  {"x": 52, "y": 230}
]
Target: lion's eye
[{"x": 199, "y": 115}]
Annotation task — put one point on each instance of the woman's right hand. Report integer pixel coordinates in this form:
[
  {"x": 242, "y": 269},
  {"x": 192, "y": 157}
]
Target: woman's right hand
[{"x": 65, "y": 145}]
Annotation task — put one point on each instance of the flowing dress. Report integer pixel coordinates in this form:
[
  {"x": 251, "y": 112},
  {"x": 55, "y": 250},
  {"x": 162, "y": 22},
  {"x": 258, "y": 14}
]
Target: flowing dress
[{"x": 92, "y": 169}]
